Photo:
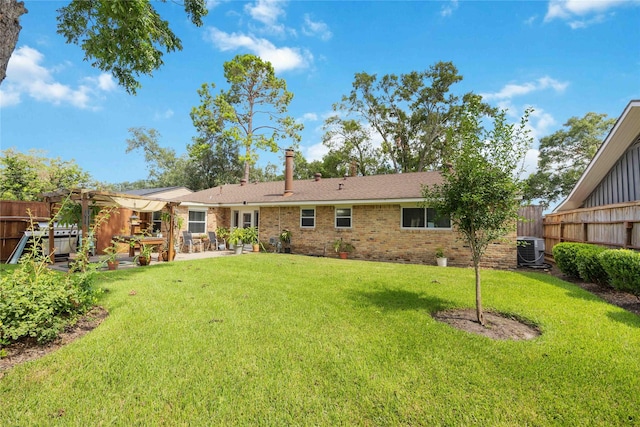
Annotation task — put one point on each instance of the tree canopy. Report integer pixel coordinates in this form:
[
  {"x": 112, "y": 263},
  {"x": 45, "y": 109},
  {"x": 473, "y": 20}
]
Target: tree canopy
[
  {"x": 26, "y": 176},
  {"x": 410, "y": 113},
  {"x": 564, "y": 155},
  {"x": 123, "y": 37},
  {"x": 481, "y": 189}
]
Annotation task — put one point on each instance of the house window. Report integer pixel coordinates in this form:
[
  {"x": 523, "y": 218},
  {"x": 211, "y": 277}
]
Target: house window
[
  {"x": 343, "y": 217},
  {"x": 424, "y": 218},
  {"x": 197, "y": 221},
  {"x": 307, "y": 218}
]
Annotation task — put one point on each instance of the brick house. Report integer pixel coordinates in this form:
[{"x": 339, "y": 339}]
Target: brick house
[{"x": 380, "y": 215}]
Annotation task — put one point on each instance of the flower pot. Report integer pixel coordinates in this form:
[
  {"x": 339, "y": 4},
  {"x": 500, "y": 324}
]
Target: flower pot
[
  {"x": 343, "y": 255},
  {"x": 238, "y": 249},
  {"x": 442, "y": 262},
  {"x": 144, "y": 260},
  {"x": 112, "y": 265},
  {"x": 256, "y": 247}
]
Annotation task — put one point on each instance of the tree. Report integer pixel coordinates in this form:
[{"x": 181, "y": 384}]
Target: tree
[
  {"x": 410, "y": 112},
  {"x": 564, "y": 155},
  {"x": 480, "y": 191},
  {"x": 350, "y": 140},
  {"x": 26, "y": 176},
  {"x": 213, "y": 154},
  {"x": 253, "y": 111},
  {"x": 123, "y": 37},
  {"x": 166, "y": 169}
]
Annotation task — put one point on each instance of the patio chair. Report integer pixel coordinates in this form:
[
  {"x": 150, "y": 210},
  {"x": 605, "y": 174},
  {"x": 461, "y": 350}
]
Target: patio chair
[
  {"x": 191, "y": 243},
  {"x": 218, "y": 245}
]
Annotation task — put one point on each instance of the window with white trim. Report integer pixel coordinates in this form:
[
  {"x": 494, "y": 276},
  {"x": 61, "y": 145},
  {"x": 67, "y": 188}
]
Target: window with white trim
[
  {"x": 197, "y": 221},
  {"x": 343, "y": 217},
  {"x": 307, "y": 217},
  {"x": 424, "y": 218}
]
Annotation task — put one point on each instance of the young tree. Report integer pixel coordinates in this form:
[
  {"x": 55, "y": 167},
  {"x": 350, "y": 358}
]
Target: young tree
[
  {"x": 253, "y": 111},
  {"x": 564, "y": 155},
  {"x": 123, "y": 37},
  {"x": 481, "y": 190}
]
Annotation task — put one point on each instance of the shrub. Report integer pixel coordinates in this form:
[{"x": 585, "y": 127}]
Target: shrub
[
  {"x": 37, "y": 302},
  {"x": 623, "y": 268},
  {"x": 589, "y": 266},
  {"x": 564, "y": 255}
]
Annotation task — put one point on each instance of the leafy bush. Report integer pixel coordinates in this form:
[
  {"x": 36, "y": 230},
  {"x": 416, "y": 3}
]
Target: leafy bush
[
  {"x": 623, "y": 268},
  {"x": 589, "y": 266},
  {"x": 38, "y": 302},
  {"x": 564, "y": 255}
]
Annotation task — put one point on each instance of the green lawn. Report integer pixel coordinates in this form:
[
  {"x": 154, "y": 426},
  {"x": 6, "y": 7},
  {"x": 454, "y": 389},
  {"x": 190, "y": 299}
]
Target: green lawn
[{"x": 290, "y": 340}]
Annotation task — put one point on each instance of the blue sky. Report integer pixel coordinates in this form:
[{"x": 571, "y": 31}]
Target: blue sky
[{"x": 563, "y": 58}]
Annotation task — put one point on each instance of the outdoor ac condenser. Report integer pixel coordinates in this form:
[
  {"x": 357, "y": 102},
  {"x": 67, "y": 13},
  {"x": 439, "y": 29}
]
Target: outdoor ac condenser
[{"x": 530, "y": 251}]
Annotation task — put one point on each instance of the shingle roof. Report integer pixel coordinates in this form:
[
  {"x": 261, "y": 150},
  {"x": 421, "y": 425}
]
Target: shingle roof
[{"x": 365, "y": 189}]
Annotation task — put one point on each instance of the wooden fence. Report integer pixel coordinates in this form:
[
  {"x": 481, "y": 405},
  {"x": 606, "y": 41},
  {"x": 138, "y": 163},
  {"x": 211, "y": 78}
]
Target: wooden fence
[
  {"x": 15, "y": 219},
  {"x": 532, "y": 224},
  {"x": 615, "y": 226}
]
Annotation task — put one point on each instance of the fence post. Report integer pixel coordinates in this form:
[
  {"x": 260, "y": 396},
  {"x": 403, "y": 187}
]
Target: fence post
[
  {"x": 628, "y": 225},
  {"x": 585, "y": 232},
  {"x": 561, "y": 231}
]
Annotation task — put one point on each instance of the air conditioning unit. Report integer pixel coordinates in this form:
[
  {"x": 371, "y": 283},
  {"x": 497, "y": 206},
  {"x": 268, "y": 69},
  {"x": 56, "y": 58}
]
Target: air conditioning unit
[{"x": 530, "y": 251}]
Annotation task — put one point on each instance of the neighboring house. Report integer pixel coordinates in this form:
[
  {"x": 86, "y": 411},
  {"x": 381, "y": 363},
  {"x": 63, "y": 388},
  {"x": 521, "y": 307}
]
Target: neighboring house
[
  {"x": 604, "y": 205},
  {"x": 380, "y": 215}
]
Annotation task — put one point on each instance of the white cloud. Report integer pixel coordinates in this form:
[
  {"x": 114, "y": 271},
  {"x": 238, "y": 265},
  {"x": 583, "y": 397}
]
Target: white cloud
[
  {"x": 590, "y": 11},
  {"x": 268, "y": 12},
  {"x": 163, "y": 115},
  {"x": 512, "y": 90},
  {"x": 26, "y": 75},
  {"x": 309, "y": 117},
  {"x": 282, "y": 58},
  {"x": 316, "y": 28},
  {"x": 316, "y": 152},
  {"x": 449, "y": 8}
]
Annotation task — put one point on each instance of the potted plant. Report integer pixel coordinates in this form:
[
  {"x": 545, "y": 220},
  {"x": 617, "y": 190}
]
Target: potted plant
[
  {"x": 440, "y": 258},
  {"x": 111, "y": 255},
  {"x": 144, "y": 258},
  {"x": 251, "y": 237},
  {"x": 236, "y": 237},
  {"x": 285, "y": 238},
  {"x": 343, "y": 248}
]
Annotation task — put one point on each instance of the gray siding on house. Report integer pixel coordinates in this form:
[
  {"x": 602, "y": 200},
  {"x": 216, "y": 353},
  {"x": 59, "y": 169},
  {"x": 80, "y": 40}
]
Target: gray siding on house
[{"x": 622, "y": 183}]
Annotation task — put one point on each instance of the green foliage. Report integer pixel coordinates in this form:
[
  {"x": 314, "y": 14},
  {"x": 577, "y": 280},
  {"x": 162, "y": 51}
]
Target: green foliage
[
  {"x": 251, "y": 113},
  {"x": 623, "y": 268},
  {"x": 339, "y": 245},
  {"x": 565, "y": 256},
  {"x": 36, "y": 302},
  {"x": 26, "y": 176},
  {"x": 589, "y": 266},
  {"x": 557, "y": 172},
  {"x": 250, "y": 235},
  {"x": 123, "y": 37},
  {"x": 236, "y": 236},
  {"x": 480, "y": 192},
  {"x": 410, "y": 112}
]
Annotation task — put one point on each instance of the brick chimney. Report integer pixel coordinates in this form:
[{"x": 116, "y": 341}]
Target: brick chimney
[
  {"x": 317, "y": 176},
  {"x": 288, "y": 172}
]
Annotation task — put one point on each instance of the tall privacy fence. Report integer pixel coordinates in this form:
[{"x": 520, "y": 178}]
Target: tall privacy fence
[{"x": 614, "y": 226}]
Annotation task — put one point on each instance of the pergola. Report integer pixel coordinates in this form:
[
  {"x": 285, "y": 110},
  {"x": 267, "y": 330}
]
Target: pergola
[{"x": 86, "y": 197}]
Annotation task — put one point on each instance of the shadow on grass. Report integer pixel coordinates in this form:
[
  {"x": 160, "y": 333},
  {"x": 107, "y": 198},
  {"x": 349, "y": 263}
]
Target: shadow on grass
[
  {"x": 398, "y": 299},
  {"x": 572, "y": 289},
  {"x": 625, "y": 317}
]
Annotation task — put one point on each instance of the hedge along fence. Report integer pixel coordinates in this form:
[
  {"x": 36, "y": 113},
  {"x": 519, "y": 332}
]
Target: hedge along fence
[{"x": 619, "y": 268}]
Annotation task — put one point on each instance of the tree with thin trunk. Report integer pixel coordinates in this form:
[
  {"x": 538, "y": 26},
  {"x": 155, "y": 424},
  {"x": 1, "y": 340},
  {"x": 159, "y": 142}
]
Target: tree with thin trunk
[
  {"x": 481, "y": 189},
  {"x": 253, "y": 110}
]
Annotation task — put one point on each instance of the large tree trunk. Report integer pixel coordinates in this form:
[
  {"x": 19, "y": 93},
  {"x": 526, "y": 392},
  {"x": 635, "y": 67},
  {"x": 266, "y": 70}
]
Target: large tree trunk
[{"x": 10, "y": 12}]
